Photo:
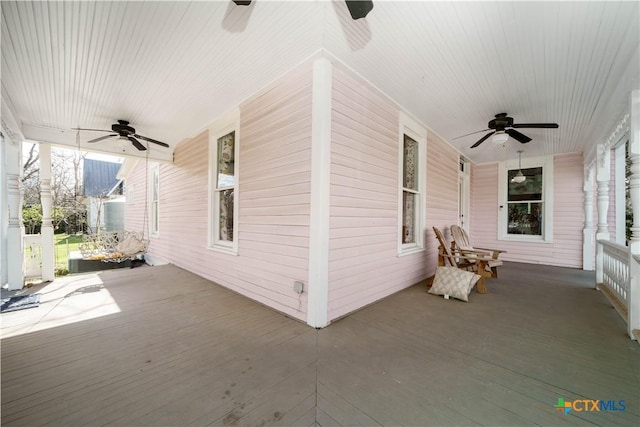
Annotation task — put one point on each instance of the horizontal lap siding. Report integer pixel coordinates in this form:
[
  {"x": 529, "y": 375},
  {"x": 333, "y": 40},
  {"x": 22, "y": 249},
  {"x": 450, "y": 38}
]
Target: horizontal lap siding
[
  {"x": 363, "y": 261},
  {"x": 443, "y": 164},
  {"x": 275, "y": 185},
  {"x": 568, "y": 216},
  {"x": 273, "y": 201},
  {"x": 135, "y": 201}
]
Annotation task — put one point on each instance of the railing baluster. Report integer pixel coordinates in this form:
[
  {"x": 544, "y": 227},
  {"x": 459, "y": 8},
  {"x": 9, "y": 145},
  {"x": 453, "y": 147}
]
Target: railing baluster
[{"x": 615, "y": 272}]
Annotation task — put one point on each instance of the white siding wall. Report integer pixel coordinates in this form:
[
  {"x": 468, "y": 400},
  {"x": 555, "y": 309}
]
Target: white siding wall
[
  {"x": 274, "y": 182},
  {"x": 566, "y": 249}
]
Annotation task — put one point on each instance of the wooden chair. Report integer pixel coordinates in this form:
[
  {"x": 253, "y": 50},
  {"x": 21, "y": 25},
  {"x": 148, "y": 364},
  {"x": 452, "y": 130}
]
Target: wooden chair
[
  {"x": 462, "y": 244},
  {"x": 470, "y": 261}
]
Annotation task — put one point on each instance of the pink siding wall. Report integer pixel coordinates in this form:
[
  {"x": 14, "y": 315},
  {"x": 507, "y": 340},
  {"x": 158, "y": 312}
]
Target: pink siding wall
[
  {"x": 443, "y": 165},
  {"x": 363, "y": 262},
  {"x": 566, "y": 249},
  {"x": 274, "y": 180}
]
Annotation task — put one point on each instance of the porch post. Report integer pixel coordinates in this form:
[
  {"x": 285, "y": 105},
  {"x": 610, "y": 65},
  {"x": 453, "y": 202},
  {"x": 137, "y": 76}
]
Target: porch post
[
  {"x": 48, "y": 261},
  {"x": 587, "y": 232},
  {"x": 318, "y": 285},
  {"x": 633, "y": 322},
  {"x": 15, "y": 227},
  {"x": 603, "y": 172}
]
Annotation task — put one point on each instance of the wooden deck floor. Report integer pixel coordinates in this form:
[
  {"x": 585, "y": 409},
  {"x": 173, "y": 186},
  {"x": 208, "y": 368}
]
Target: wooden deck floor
[{"x": 160, "y": 346}]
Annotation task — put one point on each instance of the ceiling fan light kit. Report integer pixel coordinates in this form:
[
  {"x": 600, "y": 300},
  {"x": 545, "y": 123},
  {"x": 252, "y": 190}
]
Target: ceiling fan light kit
[{"x": 499, "y": 138}]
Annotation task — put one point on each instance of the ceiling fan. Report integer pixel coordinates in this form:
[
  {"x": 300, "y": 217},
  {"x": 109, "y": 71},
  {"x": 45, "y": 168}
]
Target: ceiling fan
[
  {"x": 357, "y": 8},
  {"x": 124, "y": 132},
  {"x": 503, "y": 127}
]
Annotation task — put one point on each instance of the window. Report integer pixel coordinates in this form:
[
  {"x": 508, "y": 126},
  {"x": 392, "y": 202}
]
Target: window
[
  {"x": 410, "y": 193},
  {"x": 412, "y": 184},
  {"x": 154, "y": 200},
  {"x": 224, "y": 187},
  {"x": 526, "y": 211},
  {"x": 524, "y": 203}
]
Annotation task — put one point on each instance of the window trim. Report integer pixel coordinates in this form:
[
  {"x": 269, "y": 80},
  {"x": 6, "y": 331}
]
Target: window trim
[
  {"x": 229, "y": 123},
  {"x": 417, "y": 132},
  {"x": 546, "y": 163},
  {"x": 154, "y": 205}
]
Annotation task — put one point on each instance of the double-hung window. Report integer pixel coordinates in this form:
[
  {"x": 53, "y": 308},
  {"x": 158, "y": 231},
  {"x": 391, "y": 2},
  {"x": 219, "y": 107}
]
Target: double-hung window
[
  {"x": 223, "y": 147},
  {"x": 412, "y": 178},
  {"x": 526, "y": 206}
]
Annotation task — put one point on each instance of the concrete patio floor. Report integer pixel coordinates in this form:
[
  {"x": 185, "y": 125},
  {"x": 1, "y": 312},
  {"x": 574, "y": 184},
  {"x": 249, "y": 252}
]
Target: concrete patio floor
[{"x": 161, "y": 346}]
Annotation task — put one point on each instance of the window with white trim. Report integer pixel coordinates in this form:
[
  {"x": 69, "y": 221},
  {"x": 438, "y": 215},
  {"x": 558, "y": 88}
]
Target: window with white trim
[
  {"x": 412, "y": 181},
  {"x": 154, "y": 200},
  {"x": 526, "y": 194},
  {"x": 223, "y": 218}
]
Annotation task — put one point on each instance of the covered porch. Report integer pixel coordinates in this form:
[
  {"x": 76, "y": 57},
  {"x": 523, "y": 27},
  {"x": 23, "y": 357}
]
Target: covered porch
[{"x": 129, "y": 347}]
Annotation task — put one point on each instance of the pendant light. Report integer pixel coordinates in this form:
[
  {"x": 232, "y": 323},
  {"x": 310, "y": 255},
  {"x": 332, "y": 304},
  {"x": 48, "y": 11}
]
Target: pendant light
[{"x": 519, "y": 178}]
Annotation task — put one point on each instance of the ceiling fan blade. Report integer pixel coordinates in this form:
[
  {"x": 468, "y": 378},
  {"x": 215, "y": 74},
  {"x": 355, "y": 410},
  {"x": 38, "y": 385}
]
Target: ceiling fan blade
[
  {"x": 151, "y": 140},
  {"x": 359, "y": 9},
  {"x": 462, "y": 136},
  {"x": 136, "y": 143},
  {"x": 102, "y": 137},
  {"x": 483, "y": 139},
  {"x": 518, "y": 136},
  {"x": 535, "y": 125},
  {"x": 95, "y": 130}
]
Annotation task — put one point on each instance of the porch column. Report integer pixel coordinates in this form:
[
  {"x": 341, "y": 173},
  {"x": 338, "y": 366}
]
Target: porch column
[
  {"x": 587, "y": 232},
  {"x": 634, "y": 244},
  {"x": 48, "y": 259},
  {"x": 15, "y": 227},
  {"x": 318, "y": 285},
  {"x": 603, "y": 171}
]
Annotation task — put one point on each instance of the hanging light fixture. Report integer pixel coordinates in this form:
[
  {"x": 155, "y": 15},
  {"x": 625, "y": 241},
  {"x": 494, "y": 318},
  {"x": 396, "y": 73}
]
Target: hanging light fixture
[
  {"x": 519, "y": 178},
  {"x": 500, "y": 137}
]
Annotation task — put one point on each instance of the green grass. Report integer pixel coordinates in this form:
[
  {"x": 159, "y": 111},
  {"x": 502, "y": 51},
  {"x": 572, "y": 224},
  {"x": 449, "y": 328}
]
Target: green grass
[{"x": 64, "y": 244}]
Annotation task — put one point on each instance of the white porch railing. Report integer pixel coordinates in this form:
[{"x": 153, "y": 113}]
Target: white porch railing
[
  {"x": 32, "y": 255},
  {"x": 616, "y": 277}
]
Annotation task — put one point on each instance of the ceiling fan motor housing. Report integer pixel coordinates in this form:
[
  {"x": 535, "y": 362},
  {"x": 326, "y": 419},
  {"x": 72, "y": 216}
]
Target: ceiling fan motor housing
[
  {"x": 123, "y": 128},
  {"x": 500, "y": 122}
]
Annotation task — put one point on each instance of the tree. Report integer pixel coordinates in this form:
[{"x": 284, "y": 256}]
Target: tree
[
  {"x": 31, "y": 176},
  {"x": 32, "y": 218},
  {"x": 66, "y": 185}
]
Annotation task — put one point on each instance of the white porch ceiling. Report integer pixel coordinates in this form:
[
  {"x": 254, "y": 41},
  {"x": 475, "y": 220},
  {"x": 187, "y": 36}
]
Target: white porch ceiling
[{"x": 171, "y": 68}]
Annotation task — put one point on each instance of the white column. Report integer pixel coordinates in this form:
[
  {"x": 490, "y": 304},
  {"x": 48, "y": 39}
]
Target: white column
[
  {"x": 603, "y": 172},
  {"x": 587, "y": 232},
  {"x": 48, "y": 258},
  {"x": 633, "y": 322},
  {"x": 318, "y": 285},
  {"x": 15, "y": 227}
]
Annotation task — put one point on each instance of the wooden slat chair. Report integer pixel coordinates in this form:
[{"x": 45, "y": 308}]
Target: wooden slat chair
[
  {"x": 471, "y": 261},
  {"x": 462, "y": 244}
]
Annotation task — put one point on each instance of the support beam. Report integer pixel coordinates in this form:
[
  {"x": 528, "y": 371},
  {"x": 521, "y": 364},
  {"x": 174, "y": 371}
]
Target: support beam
[
  {"x": 12, "y": 170},
  {"x": 48, "y": 258},
  {"x": 603, "y": 174},
  {"x": 633, "y": 323},
  {"x": 587, "y": 232}
]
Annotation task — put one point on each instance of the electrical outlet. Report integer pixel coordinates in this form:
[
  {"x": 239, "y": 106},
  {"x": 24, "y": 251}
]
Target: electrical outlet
[{"x": 298, "y": 287}]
